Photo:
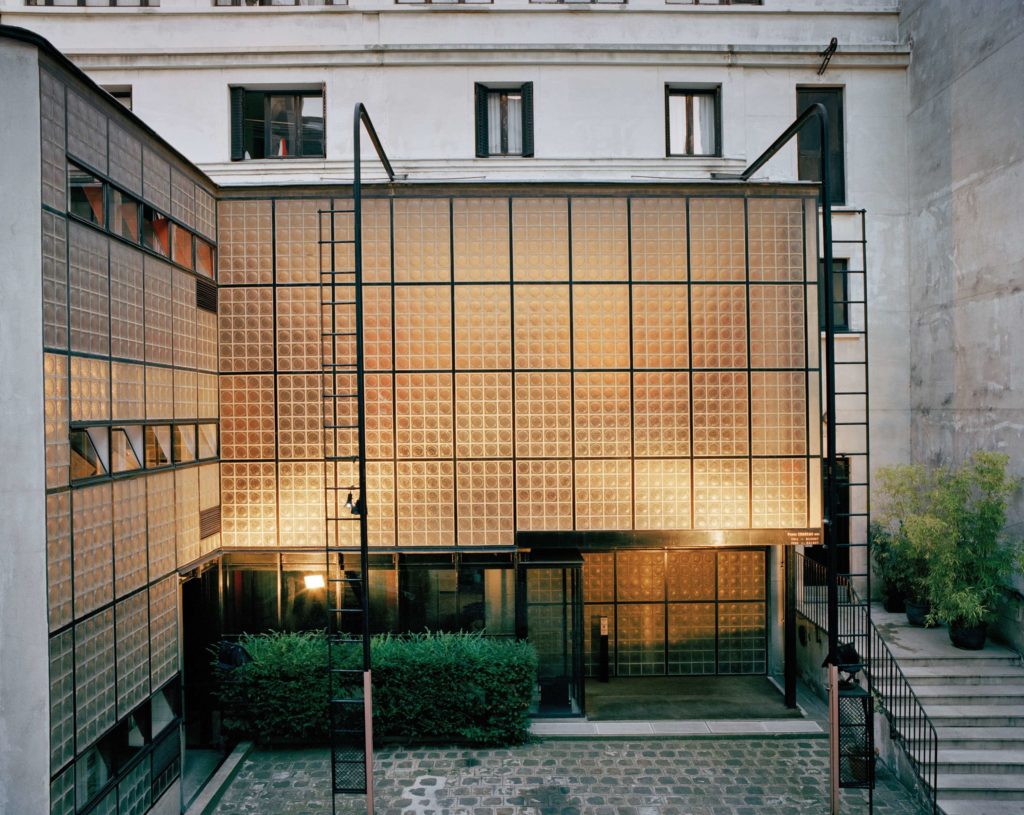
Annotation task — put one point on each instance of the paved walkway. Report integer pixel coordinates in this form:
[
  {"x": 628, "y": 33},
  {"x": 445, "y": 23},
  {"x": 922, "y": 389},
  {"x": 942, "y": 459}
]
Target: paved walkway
[{"x": 655, "y": 776}]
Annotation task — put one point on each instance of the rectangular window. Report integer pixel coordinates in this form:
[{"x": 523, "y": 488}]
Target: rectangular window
[
  {"x": 504, "y": 120},
  {"x": 692, "y": 121},
  {"x": 840, "y": 295},
  {"x": 276, "y": 124},
  {"x": 85, "y": 195},
  {"x": 181, "y": 246},
  {"x": 809, "y": 142},
  {"x": 122, "y": 93},
  {"x": 204, "y": 258},
  {"x": 156, "y": 231},
  {"x": 124, "y": 215}
]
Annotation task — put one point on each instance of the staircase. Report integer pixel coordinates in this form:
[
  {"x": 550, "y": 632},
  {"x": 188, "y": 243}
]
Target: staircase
[{"x": 975, "y": 700}]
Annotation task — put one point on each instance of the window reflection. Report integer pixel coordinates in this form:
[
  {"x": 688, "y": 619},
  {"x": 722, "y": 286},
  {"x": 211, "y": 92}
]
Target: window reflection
[
  {"x": 124, "y": 213},
  {"x": 155, "y": 231},
  {"x": 85, "y": 195},
  {"x": 181, "y": 246},
  {"x": 158, "y": 446}
]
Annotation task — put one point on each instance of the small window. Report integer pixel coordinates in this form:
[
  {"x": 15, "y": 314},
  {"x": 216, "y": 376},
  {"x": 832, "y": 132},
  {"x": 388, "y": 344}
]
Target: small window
[
  {"x": 126, "y": 448},
  {"x": 276, "y": 124},
  {"x": 122, "y": 93},
  {"x": 158, "y": 446},
  {"x": 90, "y": 453},
  {"x": 207, "y": 441},
  {"x": 124, "y": 215},
  {"x": 156, "y": 231},
  {"x": 181, "y": 246},
  {"x": 204, "y": 258},
  {"x": 809, "y": 142},
  {"x": 692, "y": 121},
  {"x": 840, "y": 295},
  {"x": 504, "y": 120},
  {"x": 85, "y": 195},
  {"x": 184, "y": 443}
]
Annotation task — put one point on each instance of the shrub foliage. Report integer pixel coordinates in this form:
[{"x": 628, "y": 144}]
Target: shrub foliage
[{"x": 440, "y": 687}]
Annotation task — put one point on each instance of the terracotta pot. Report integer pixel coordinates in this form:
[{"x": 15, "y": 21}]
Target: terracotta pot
[
  {"x": 917, "y": 612},
  {"x": 968, "y": 637}
]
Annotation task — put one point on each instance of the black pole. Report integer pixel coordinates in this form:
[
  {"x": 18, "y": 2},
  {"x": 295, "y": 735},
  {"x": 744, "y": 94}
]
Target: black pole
[{"x": 789, "y": 632}]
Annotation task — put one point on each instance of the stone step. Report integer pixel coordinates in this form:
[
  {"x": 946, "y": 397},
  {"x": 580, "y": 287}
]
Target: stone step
[
  {"x": 970, "y": 694},
  {"x": 978, "y": 806},
  {"x": 980, "y": 762},
  {"x": 921, "y": 676},
  {"x": 981, "y": 659},
  {"x": 981, "y": 738},
  {"x": 958, "y": 715},
  {"x": 984, "y": 786}
]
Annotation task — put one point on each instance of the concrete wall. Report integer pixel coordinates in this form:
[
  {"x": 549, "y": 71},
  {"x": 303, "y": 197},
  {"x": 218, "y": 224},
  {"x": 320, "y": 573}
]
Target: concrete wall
[
  {"x": 24, "y": 660},
  {"x": 966, "y": 163}
]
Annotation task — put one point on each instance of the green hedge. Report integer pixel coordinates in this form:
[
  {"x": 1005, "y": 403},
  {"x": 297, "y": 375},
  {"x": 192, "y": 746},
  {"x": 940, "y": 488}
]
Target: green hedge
[{"x": 455, "y": 688}]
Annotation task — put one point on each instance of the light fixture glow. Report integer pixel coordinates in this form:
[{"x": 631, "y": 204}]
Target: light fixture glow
[
  {"x": 348, "y": 502},
  {"x": 313, "y": 581}
]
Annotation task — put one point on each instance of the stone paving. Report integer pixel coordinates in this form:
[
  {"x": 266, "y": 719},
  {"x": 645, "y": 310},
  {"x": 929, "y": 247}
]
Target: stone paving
[{"x": 750, "y": 776}]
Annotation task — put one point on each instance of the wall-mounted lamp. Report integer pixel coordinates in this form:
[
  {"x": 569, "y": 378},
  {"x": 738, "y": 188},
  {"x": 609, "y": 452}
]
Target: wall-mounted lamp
[
  {"x": 352, "y": 506},
  {"x": 313, "y": 581}
]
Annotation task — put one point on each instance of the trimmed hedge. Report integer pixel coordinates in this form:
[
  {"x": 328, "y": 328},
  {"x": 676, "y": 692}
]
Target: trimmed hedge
[{"x": 437, "y": 687}]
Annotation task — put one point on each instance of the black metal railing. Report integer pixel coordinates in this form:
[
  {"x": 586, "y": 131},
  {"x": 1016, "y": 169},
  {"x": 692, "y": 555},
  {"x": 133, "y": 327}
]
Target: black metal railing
[{"x": 909, "y": 725}]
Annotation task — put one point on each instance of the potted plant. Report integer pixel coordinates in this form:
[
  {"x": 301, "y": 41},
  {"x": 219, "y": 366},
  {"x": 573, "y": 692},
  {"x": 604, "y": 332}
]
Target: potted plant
[
  {"x": 973, "y": 560},
  {"x": 887, "y": 570}
]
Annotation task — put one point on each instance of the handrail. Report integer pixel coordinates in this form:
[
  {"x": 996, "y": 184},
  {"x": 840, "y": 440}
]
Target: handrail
[{"x": 909, "y": 723}]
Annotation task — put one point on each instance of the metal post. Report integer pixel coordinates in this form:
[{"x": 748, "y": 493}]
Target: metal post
[
  {"x": 833, "y": 738},
  {"x": 789, "y": 633}
]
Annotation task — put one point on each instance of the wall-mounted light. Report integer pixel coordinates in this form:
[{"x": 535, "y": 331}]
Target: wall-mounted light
[
  {"x": 313, "y": 581},
  {"x": 352, "y": 506}
]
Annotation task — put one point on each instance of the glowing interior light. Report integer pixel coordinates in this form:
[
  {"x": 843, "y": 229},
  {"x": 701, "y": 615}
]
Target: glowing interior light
[{"x": 314, "y": 581}]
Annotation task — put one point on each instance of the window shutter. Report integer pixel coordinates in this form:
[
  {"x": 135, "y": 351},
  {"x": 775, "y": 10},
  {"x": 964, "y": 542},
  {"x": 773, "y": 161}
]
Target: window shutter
[
  {"x": 481, "y": 121},
  {"x": 323, "y": 111},
  {"x": 237, "y": 106},
  {"x": 527, "y": 119}
]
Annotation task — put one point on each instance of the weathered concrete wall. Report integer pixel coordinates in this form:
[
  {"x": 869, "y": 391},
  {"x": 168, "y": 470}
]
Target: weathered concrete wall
[
  {"x": 24, "y": 659},
  {"x": 966, "y": 114}
]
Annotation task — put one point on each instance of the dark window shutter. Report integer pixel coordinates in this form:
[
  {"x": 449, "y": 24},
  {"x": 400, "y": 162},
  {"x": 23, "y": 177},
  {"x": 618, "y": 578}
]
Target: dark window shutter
[
  {"x": 528, "y": 119},
  {"x": 481, "y": 121},
  {"x": 237, "y": 106}
]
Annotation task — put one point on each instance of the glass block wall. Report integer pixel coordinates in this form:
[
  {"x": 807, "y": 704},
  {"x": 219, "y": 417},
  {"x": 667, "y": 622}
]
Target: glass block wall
[
  {"x": 130, "y": 380},
  {"x": 534, "y": 363}
]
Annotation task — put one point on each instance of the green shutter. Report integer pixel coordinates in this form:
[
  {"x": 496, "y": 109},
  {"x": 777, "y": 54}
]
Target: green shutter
[
  {"x": 528, "y": 119},
  {"x": 237, "y": 107},
  {"x": 481, "y": 121}
]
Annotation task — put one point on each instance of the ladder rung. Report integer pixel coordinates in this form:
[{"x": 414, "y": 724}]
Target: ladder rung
[
  {"x": 336, "y": 365},
  {"x": 345, "y": 610},
  {"x": 332, "y": 272},
  {"x": 337, "y": 333},
  {"x": 337, "y": 302},
  {"x": 340, "y": 395},
  {"x": 341, "y": 427},
  {"x": 341, "y": 458},
  {"x": 851, "y": 393},
  {"x": 345, "y": 518},
  {"x": 345, "y": 580},
  {"x": 335, "y": 241}
]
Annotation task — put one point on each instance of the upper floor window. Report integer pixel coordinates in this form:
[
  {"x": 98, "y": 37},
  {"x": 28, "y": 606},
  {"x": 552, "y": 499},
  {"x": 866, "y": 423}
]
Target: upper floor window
[
  {"x": 276, "y": 124},
  {"x": 118, "y": 3},
  {"x": 504, "y": 120},
  {"x": 717, "y": 2},
  {"x": 280, "y": 2},
  {"x": 692, "y": 120},
  {"x": 840, "y": 295},
  {"x": 809, "y": 143},
  {"x": 122, "y": 93}
]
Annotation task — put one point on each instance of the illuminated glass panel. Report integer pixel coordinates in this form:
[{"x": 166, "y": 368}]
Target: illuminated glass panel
[
  {"x": 544, "y": 415},
  {"x": 661, "y": 337},
  {"x": 602, "y": 414},
  {"x": 544, "y": 495},
  {"x": 296, "y": 240},
  {"x": 300, "y": 496},
  {"x": 481, "y": 239},
  {"x": 422, "y": 240},
  {"x": 380, "y": 425},
  {"x": 245, "y": 241},
  {"x": 600, "y": 323},
  {"x": 540, "y": 239},
  {"x": 779, "y": 493},
  {"x": 640, "y": 640},
  {"x": 658, "y": 227},
  {"x": 776, "y": 239},
  {"x": 423, "y": 408},
  {"x": 600, "y": 239},
  {"x": 777, "y": 328},
  {"x": 691, "y": 575},
  {"x": 603, "y": 494},
  {"x": 249, "y": 508},
  {"x": 377, "y": 328},
  {"x": 779, "y": 418},
  {"x": 717, "y": 245},
  {"x": 662, "y": 493},
  {"x": 246, "y": 322},
  {"x": 380, "y": 481},
  {"x": 426, "y": 503},
  {"x": 376, "y": 241},
  {"x": 542, "y": 329},
  {"x": 719, "y": 330},
  {"x": 661, "y": 414},
  {"x": 483, "y": 327},
  {"x": 721, "y": 493},
  {"x": 720, "y": 414},
  {"x": 247, "y": 417},
  {"x": 486, "y": 503},
  {"x": 300, "y": 417},
  {"x": 641, "y": 575},
  {"x": 298, "y": 328},
  {"x": 423, "y": 328},
  {"x": 483, "y": 415}
]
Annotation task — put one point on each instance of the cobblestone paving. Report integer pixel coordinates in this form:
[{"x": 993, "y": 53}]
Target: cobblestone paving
[{"x": 651, "y": 777}]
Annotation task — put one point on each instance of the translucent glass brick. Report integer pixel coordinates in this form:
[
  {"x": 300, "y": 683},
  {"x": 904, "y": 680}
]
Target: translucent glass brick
[
  {"x": 126, "y": 302},
  {"x": 598, "y": 577},
  {"x": 89, "y": 293},
  {"x": 299, "y": 416},
  {"x": 163, "y": 631},
  {"x": 721, "y": 493},
  {"x": 377, "y": 328},
  {"x": 481, "y": 239},
  {"x": 600, "y": 239},
  {"x": 640, "y": 640},
  {"x": 158, "y": 311},
  {"x": 132, "y": 631},
  {"x": 159, "y": 393},
  {"x": 486, "y": 503},
  {"x": 160, "y": 523},
  {"x": 603, "y": 494},
  {"x": 544, "y": 495},
  {"x": 296, "y": 240},
  {"x": 692, "y": 575},
  {"x": 483, "y": 415},
  {"x": 426, "y": 503},
  {"x": 249, "y": 504},
  {"x": 423, "y": 328},
  {"x": 483, "y": 327},
  {"x": 779, "y": 496},
  {"x": 62, "y": 793},
  {"x": 380, "y": 492},
  {"x": 298, "y": 328},
  {"x": 692, "y": 638},
  {"x": 661, "y": 413},
  {"x": 125, "y": 159},
  {"x": 247, "y": 417},
  {"x": 717, "y": 239},
  {"x": 127, "y": 391},
  {"x": 661, "y": 332},
  {"x": 246, "y": 325},
  {"x": 640, "y": 575},
  {"x": 186, "y": 515},
  {"x": 93, "y": 547},
  {"x": 423, "y": 411},
  {"x": 600, "y": 322},
  {"x": 776, "y": 239},
  {"x": 95, "y": 692},
  {"x": 777, "y": 328},
  {"x": 87, "y": 132},
  {"x": 57, "y": 415},
  {"x": 244, "y": 248},
  {"x": 206, "y": 341},
  {"x": 58, "y": 558},
  {"x": 186, "y": 394},
  {"x": 90, "y": 389},
  {"x": 543, "y": 415},
  {"x": 208, "y": 396},
  {"x": 300, "y": 490},
  {"x": 376, "y": 241},
  {"x": 540, "y": 239},
  {"x": 741, "y": 575},
  {"x": 183, "y": 198},
  {"x": 380, "y": 423},
  {"x": 662, "y": 488},
  {"x": 55, "y": 281},
  {"x": 422, "y": 240},
  {"x": 779, "y": 413},
  {"x": 184, "y": 312},
  {"x": 62, "y": 700},
  {"x": 209, "y": 486},
  {"x": 206, "y": 223},
  {"x": 719, "y": 326},
  {"x": 130, "y": 561},
  {"x": 720, "y": 413},
  {"x": 542, "y": 327},
  {"x": 658, "y": 234},
  {"x": 156, "y": 176},
  {"x": 601, "y": 405},
  {"x": 52, "y": 126},
  {"x": 134, "y": 791}
]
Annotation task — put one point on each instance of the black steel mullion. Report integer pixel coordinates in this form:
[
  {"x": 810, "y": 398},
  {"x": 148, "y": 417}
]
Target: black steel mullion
[
  {"x": 689, "y": 388},
  {"x": 454, "y": 376},
  {"x": 572, "y": 370},
  {"x": 514, "y": 370},
  {"x": 750, "y": 377}
]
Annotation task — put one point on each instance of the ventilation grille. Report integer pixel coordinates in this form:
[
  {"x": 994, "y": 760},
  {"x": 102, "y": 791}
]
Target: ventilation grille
[
  {"x": 206, "y": 295},
  {"x": 209, "y": 522}
]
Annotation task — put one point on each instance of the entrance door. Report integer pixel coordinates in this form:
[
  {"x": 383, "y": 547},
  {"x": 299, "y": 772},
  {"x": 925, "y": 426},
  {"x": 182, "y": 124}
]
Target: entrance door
[{"x": 549, "y": 615}]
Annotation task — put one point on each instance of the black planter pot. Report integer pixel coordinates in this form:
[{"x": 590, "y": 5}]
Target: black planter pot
[
  {"x": 917, "y": 613},
  {"x": 968, "y": 637},
  {"x": 893, "y": 601}
]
